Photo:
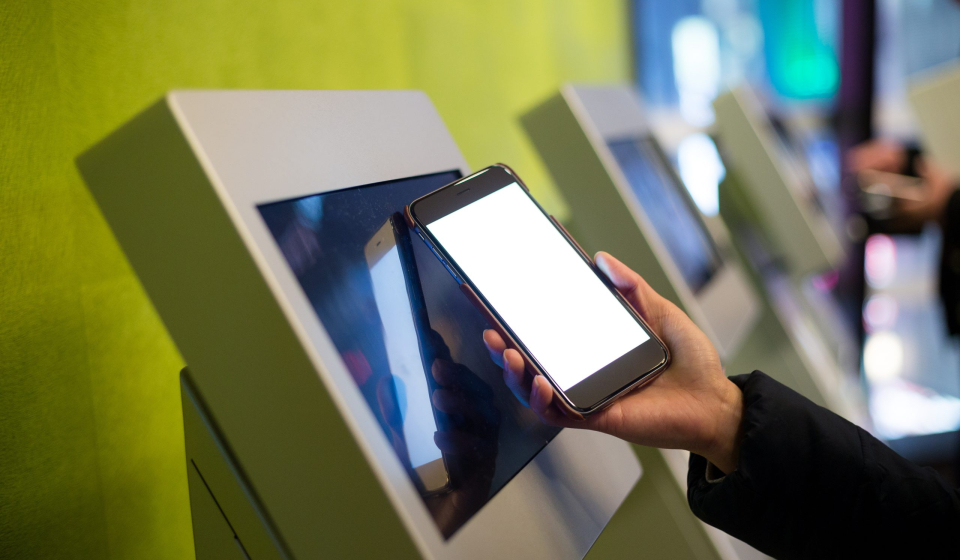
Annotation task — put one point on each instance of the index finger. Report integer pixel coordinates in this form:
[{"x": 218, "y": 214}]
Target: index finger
[{"x": 648, "y": 303}]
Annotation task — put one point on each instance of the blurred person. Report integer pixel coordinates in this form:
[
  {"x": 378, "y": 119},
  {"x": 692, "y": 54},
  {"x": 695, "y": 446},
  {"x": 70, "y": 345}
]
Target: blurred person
[
  {"x": 767, "y": 466},
  {"x": 940, "y": 204}
]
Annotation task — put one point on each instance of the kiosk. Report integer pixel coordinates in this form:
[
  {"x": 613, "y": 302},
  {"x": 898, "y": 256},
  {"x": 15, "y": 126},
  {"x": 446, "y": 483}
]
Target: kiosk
[
  {"x": 770, "y": 203},
  {"x": 626, "y": 198},
  {"x": 339, "y": 401}
]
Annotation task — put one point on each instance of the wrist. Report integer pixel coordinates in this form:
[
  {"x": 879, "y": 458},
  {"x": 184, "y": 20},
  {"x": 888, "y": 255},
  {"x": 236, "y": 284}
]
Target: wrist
[{"x": 723, "y": 446}]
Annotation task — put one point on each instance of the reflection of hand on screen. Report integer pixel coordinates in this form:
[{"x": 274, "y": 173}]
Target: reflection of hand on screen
[{"x": 468, "y": 436}]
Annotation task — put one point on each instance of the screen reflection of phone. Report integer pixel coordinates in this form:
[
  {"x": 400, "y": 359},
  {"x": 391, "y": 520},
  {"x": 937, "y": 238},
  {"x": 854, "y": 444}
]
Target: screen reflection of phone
[
  {"x": 399, "y": 299},
  {"x": 891, "y": 185}
]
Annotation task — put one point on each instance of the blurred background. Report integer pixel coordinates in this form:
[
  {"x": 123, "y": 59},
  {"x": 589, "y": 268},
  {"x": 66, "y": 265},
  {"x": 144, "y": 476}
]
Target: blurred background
[
  {"x": 91, "y": 437},
  {"x": 840, "y": 71}
]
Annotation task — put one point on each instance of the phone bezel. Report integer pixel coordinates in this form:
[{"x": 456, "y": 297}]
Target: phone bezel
[{"x": 601, "y": 387}]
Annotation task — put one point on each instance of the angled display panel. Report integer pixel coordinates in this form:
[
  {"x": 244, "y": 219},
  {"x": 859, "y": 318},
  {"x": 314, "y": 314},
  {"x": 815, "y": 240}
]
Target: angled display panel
[{"x": 780, "y": 190}]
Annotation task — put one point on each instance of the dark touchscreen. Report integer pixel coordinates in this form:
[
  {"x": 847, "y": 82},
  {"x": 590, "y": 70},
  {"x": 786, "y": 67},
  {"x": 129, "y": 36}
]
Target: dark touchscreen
[
  {"x": 673, "y": 214},
  {"x": 411, "y": 342}
]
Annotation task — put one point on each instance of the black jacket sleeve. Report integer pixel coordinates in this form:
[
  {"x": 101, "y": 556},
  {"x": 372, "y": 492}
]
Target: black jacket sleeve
[
  {"x": 950, "y": 263},
  {"x": 811, "y": 485}
]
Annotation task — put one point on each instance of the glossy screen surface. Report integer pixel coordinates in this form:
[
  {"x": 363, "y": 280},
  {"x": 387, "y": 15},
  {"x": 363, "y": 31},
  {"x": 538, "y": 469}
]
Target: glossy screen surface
[
  {"x": 672, "y": 214},
  {"x": 539, "y": 285},
  {"x": 411, "y": 342}
]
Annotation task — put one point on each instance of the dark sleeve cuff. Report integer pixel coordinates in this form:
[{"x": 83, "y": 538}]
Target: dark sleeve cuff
[{"x": 793, "y": 453}]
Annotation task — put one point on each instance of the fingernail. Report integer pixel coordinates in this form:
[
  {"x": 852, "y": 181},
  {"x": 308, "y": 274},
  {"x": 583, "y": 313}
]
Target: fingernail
[{"x": 602, "y": 264}]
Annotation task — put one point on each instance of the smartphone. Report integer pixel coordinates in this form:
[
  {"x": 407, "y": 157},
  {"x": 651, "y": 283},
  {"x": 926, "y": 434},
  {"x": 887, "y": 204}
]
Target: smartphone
[
  {"x": 538, "y": 289},
  {"x": 891, "y": 185},
  {"x": 399, "y": 300}
]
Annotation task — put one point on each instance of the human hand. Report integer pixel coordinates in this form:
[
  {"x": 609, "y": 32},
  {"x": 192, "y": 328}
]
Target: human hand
[
  {"x": 691, "y": 406},
  {"x": 879, "y": 155}
]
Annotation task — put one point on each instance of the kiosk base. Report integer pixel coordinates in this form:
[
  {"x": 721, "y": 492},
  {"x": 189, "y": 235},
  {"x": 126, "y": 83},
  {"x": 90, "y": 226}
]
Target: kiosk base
[
  {"x": 655, "y": 521},
  {"x": 227, "y": 520}
]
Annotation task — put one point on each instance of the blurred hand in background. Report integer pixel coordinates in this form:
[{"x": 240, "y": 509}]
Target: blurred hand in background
[{"x": 878, "y": 154}]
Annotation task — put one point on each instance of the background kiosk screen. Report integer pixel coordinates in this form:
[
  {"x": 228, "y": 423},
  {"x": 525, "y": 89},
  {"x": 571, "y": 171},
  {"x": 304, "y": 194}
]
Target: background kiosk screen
[
  {"x": 411, "y": 342},
  {"x": 672, "y": 214}
]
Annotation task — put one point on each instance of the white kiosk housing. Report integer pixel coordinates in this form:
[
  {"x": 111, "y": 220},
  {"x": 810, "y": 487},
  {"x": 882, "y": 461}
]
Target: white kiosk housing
[{"x": 252, "y": 219}]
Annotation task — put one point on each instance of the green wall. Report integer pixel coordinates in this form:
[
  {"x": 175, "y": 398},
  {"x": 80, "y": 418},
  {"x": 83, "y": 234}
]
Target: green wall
[{"x": 91, "y": 443}]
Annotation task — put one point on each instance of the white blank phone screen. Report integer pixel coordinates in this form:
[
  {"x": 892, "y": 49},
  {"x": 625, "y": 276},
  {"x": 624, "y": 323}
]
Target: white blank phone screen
[{"x": 554, "y": 302}]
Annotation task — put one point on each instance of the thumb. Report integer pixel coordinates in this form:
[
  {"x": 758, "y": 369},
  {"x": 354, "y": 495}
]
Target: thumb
[{"x": 633, "y": 288}]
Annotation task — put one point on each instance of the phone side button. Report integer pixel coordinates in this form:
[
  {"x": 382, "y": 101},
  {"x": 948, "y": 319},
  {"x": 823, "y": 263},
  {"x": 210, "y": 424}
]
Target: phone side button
[
  {"x": 576, "y": 244},
  {"x": 452, "y": 272}
]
